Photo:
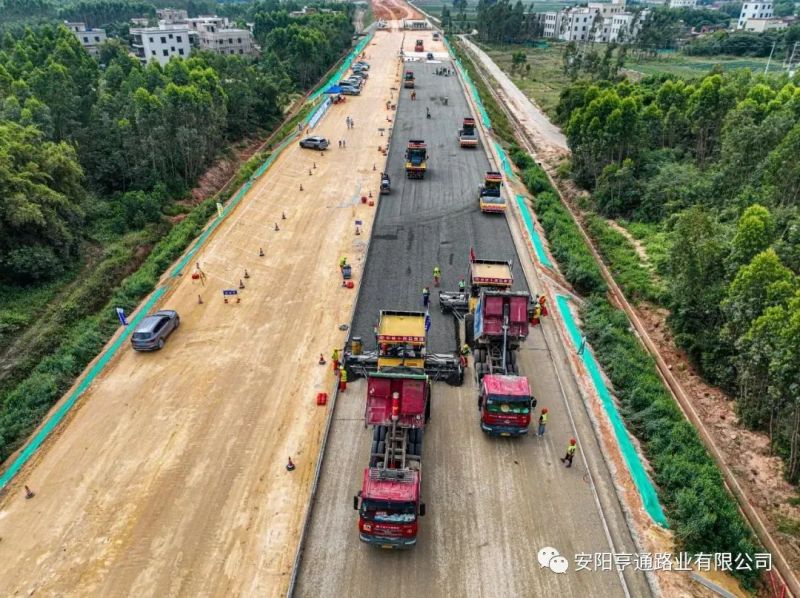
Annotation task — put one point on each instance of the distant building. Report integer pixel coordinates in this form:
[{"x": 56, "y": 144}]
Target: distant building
[
  {"x": 172, "y": 15},
  {"x": 215, "y": 34},
  {"x": 90, "y": 39},
  {"x": 683, "y": 3},
  {"x": 598, "y": 22},
  {"x": 754, "y": 10},
  {"x": 160, "y": 43},
  {"x": 140, "y": 21},
  {"x": 762, "y": 25},
  {"x": 409, "y": 24}
]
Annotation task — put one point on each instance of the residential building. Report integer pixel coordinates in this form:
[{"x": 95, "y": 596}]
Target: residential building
[
  {"x": 89, "y": 38},
  {"x": 624, "y": 28},
  {"x": 762, "y": 25},
  {"x": 604, "y": 13},
  {"x": 754, "y": 10},
  {"x": 552, "y": 25},
  {"x": 599, "y": 22},
  {"x": 576, "y": 24},
  {"x": 172, "y": 15},
  {"x": 140, "y": 21},
  {"x": 215, "y": 34},
  {"x": 683, "y": 3},
  {"x": 160, "y": 43}
]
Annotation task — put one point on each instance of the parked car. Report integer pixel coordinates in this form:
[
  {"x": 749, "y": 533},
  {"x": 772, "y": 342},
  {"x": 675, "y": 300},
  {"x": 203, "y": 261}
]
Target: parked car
[
  {"x": 355, "y": 81},
  {"x": 360, "y": 73},
  {"x": 349, "y": 90},
  {"x": 151, "y": 333},
  {"x": 350, "y": 83},
  {"x": 317, "y": 143},
  {"x": 363, "y": 64}
]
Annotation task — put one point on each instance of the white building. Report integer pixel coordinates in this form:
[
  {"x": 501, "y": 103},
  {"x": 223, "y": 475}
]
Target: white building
[
  {"x": 599, "y": 21},
  {"x": 90, "y": 38},
  {"x": 160, "y": 43},
  {"x": 604, "y": 14},
  {"x": 216, "y": 35},
  {"x": 683, "y": 3},
  {"x": 576, "y": 24},
  {"x": 552, "y": 25},
  {"x": 754, "y": 10}
]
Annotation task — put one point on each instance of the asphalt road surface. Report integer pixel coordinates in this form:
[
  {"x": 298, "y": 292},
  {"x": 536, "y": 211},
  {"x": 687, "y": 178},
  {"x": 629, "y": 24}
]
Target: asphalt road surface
[
  {"x": 429, "y": 222},
  {"x": 492, "y": 503}
]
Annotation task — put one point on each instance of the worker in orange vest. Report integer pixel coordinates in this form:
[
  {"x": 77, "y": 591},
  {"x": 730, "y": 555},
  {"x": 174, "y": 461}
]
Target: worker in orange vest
[{"x": 542, "y": 301}]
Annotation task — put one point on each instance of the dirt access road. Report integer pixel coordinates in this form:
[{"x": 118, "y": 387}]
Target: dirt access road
[
  {"x": 492, "y": 503},
  {"x": 169, "y": 478}
]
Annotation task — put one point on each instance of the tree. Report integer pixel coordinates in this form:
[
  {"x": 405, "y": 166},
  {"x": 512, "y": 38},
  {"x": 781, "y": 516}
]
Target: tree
[
  {"x": 40, "y": 182},
  {"x": 755, "y": 232},
  {"x": 518, "y": 58}
]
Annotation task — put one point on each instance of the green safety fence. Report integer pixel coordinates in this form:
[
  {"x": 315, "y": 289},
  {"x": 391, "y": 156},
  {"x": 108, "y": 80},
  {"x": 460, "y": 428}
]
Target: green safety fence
[
  {"x": 504, "y": 161},
  {"x": 538, "y": 246},
  {"x": 337, "y": 76},
  {"x": 36, "y": 442},
  {"x": 640, "y": 478}
]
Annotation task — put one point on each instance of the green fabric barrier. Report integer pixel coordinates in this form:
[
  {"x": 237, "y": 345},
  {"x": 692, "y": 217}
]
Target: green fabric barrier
[
  {"x": 640, "y": 478},
  {"x": 538, "y": 246}
]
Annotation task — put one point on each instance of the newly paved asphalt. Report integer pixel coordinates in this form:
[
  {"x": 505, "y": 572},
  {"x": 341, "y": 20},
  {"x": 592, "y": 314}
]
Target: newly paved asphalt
[
  {"x": 492, "y": 503},
  {"x": 429, "y": 222}
]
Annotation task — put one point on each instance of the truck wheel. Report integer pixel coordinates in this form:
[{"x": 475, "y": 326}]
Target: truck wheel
[{"x": 469, "y": 329}]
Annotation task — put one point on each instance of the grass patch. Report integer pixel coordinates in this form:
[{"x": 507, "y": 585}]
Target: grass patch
[
  {"x": 546, "y": 79},
  {"x": 655, "y": 241},
  {"x": 689, "y": 67},
  {"x": 634, "y": 277},
  {"x": 501, "y": 127},
  {"x": 788, "y": 525}
]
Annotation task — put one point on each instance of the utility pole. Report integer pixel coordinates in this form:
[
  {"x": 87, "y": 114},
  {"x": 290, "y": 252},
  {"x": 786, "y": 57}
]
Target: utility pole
[
  {"x": 790, "y": 60},
  {"x": 766, "y": 68}
]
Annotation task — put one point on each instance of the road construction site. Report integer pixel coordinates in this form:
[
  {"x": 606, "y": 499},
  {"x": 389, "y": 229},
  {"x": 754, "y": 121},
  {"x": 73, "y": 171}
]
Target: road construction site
[
  {"x": 492, "y": 503},
  {"x": 168, "y": 477}
]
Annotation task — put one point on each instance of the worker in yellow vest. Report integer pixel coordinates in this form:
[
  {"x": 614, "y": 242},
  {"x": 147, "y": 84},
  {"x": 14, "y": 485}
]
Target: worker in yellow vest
[
  {"x": 342, "y": 379},
  {"x": 437, "y": 275},
  {"x": 542, "y": 422},
  {"x": 570, "y": 452}
]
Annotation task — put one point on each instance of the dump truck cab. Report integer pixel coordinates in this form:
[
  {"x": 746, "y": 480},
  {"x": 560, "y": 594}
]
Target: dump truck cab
[
  {"x": 408, "y": 80},
  {"x": 416, "y": 159},
  {"x": 401, "y": 340},
  {"x": 419, "y": 46},
  {"x": 386, "y": 184},
  {"x": 505, "y": 404},
  {"x": 491, "y": 198},
  {"x": 467, "y": 136},
  {"x": 388, "y": 507},
  {"x": 397, "y": 408}
]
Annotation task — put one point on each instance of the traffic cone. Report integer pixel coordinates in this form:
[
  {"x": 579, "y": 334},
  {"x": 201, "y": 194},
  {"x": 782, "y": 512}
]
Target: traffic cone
[
  {"x": 373, "y": 166},
  {"x": 29, "y": 493},
  {"x": 358, "y": 231},
  {"x": 241, "y": 283},
  {"x": 370, "y": 194},
  {"x": 290, "y": 465},
  {"x": 301, "y": 186},
  {"x": 260, "y": 252},
  {"x": 315, "y": 165},
  {"x": 309, "y": 172},
  {"x": 276, "y": 226},
  {"x": 321, "y": 359},
  {"x": 283, "y": 216},
  {"x": 199, "y": 300},
  {"x": 246, "y": 273}
]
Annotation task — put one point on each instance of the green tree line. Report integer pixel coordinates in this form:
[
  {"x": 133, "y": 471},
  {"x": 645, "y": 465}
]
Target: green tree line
[
  {"x": 716, "y": 162},
  {"x": 81, "y": 144}
]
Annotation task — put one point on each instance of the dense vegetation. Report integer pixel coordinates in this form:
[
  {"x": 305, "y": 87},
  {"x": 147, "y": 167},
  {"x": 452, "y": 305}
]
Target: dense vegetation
[
  {"x": 716, "y": 163},
  {"x": 94, "y": 160},
  {"x": 703, "y": 515}
]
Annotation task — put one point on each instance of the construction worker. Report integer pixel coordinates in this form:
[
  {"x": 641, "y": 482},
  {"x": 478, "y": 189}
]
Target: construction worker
[
  {"x": 542, "y": 422},
  {"x": 570, "y": 452},
  {"x": 465, "y": 349},
  {"x": 471, "y": 255},
  {"x": 335, "y": 360},
  {"x": 413, "y": 95},
  {"x": 375, "y": 332},
  {"x": 542, "y": 301},
  {"x": 535, "y": 315},
  {"x": 437, "y": 275},
  {"x": 427, "y": 112},
  {"x": 342, "y": 263},
  {"x": 426, "y": 296},
  {"x": 461, "y": 285},
  {"x": 342, "y": 379}
]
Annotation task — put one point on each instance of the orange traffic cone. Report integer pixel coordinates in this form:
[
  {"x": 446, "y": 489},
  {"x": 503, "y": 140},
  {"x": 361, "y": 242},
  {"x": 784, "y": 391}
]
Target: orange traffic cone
[
  {"x": 321, "y": 359},
  {"x": 260, "y": 252},
  {"x": 29, "y": 493},
  {"x": 290, "y": 465},
  {"x": 276, "y": 226},
  {"x": 199, "y": 300},
  {"x": 246, "y": 274}
]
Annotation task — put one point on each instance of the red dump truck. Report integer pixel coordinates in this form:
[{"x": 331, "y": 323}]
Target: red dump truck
[
  {"x": 419, "y": 46},
  {"x": 397, "y": 407},
  {"x": 494, "y": 332}
]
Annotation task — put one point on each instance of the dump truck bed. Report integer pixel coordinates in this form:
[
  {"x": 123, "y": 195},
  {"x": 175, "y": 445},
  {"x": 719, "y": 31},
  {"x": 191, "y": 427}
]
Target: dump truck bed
[
  {"x": 488, "y": 273},
  {"x": 399, "y": 326},
  {"x": 412, "y": 392}
]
